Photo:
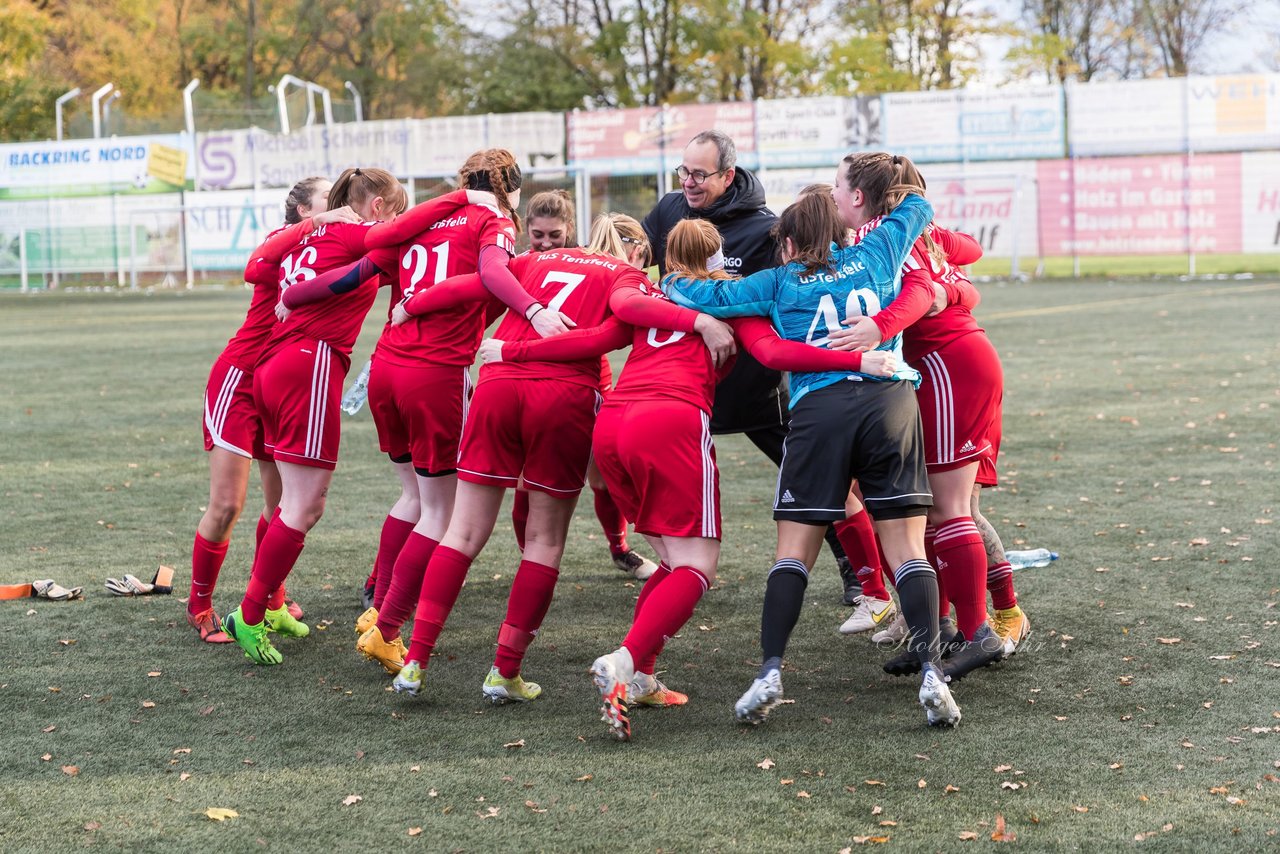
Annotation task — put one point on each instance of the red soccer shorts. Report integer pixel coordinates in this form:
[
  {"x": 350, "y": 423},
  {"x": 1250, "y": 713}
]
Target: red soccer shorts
[
  {"x": 298, "y": 391},
  {"x": 659, "y": 463},
  {"x": 540, "y": 429},
  {"x": 231, "y": 419},
  {"x": 606, "y": 375},
  {"x": 960, "y": 396},
  {"x": 420, "y": 411}
]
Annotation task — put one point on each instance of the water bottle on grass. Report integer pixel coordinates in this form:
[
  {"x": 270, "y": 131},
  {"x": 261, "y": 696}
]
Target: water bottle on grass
[{"x": 1029, "y": 558}]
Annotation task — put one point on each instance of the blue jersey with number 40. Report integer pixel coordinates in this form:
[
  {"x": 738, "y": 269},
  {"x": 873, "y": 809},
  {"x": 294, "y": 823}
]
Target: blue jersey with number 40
[{"x": 806, "y": 307}]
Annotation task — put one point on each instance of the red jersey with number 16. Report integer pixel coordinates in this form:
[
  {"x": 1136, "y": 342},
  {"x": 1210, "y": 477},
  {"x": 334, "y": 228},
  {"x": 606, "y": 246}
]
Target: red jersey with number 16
[
  {"x": 451, "y": 247},
  {"x": 336, "y": 320},
  {"x": 576, "y": 284}
]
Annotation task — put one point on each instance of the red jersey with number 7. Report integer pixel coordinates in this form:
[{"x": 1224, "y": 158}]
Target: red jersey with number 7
[
  {"x": 336, "y": 320},
  {"x": 451, "y": 247},
  {"x": 578, "y": 285}
]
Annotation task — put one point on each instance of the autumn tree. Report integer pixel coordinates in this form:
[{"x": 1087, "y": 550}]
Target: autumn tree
[
  {"x": 1081, "y": 39},
  {"x": 1181, "y": 29}
]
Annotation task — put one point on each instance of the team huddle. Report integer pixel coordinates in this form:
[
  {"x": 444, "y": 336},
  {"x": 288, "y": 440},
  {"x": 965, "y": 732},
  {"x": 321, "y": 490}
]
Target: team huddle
[{"x": 885, "y": 428}]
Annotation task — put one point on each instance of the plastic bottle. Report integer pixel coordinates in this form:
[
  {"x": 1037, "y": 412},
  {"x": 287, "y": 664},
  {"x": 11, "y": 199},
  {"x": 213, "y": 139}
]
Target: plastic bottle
[
  {"x": 1029, "y": 558},
  {"x": 354, "y": 399}
]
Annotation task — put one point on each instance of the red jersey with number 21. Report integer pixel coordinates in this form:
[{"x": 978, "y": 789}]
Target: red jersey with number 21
[
  {"x": 577, "y": 285},
  {"x": 451, "y": 247}
]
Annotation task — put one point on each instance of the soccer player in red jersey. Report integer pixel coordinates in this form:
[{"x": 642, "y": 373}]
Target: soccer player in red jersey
[
  {"x": 960, "y": 396},
  {"x": 420, "y": 388},
  {"x": 297, "y": 384},
  {"x": 550, "y": 224},
  {"x": 232, "y": 428},
  {"x": 671, "y": 487},
  {"x": 532, "y": 423}
]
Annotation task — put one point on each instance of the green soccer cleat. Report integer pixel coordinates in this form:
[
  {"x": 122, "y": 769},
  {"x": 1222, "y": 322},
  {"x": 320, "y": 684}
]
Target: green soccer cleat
[
  {"x": 409, "y": 679},
  {"x": 499, "y": 690},
  {"x": 282, "y": 622},
  {"x": 252, "y": 638}
]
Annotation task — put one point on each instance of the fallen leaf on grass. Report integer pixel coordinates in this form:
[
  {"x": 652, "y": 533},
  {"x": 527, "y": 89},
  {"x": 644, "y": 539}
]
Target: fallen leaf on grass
[
  {"x": 67, "y": 641},
  {"x": 46, "y": 757},
  {"x": 351, "y": 800},
  {"x": 414, "y": 769},
  {"x": 178, "y": 750},
  {"x": 533, "y": 806},
  {"x": 221, "y": 813},
  {"x": 869, "y": 840},
  {"x": 1169, "y": 641},
  {"x": 92, "y": 825},
  {"x": 491, "y": 812},
  {"x": 415, "y": 831},
  {"x": 877, "y": 809},
  {"x": 153, "y": 674},
  {"x": 70, "y": 770},
  {"x": 803, "y": 794},
  {"x": 184, "y": 777},
  {"x": 1116, "y": 766},
  {"x": 50, "y": 728},
  {"x": 511, "y": 745},
  {"x": 888, "y": 823},
  {"x": 786, "y": 782},
  {"x": 1000, "y": 769},
  {"x": 873, "y": 782},
  {"x": 1081, "y": 809},
  {"x": 766, "y": 764},
  {"x": 950, "y": 788},
  {"x": 584, "y": 778},
  {"x": 1236, "y": 801},
  {"x": 1009, "y": 784},
  {"x": 148, "y": 704},
  {"x": 1002, "y": 833},
  {"x": 921, "y": 783},
  {"x": 968, "y": 835}
]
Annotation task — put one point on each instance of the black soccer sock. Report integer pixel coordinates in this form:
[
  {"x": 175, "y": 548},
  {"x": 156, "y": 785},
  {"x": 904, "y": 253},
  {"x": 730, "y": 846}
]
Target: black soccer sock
[
  {"x": 918, "y": 596},
  {"x": 783, "y": 598}
]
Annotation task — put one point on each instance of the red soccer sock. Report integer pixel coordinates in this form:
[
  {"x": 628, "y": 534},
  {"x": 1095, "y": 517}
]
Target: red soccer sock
[
  {"x": 858, "y": 538},
  {"x": 441, "y": 584},
  {"x": 394, "y": 533},
  {"x": 206, "y": 562},
  {"x": 263, "y": 524},
  {"x": 1000, "y": 585},
  {"x": 665, "y": 611},
  {"x": 527, "y": 605},
  {"x": 276, "y": 556},
  {"x": 612, "y": 522},
  {"x": 276, "y": 600},
  {"x": 520, "y": 515},
  {"x": 662, "y": 573},
  {"x": 406, "y": 584},
  {"x": 962, "y": 560}
]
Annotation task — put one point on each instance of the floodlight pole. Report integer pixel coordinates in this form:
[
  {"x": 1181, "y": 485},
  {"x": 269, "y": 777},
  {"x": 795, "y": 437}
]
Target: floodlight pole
[
  {"x": 106, "y": 110},
  {"x": 57, "y": 108},
  {"x": 286, "y": 81},
  {"x": 326, "y": 102},
  {"x": 355, "y": 96},
  {"x": 188, "y": 106},
  {"x": 97, "y": 102}
]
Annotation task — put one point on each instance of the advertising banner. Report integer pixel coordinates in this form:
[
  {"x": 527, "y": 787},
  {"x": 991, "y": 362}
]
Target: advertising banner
[
  {"x": 1003, "y": 124},
  {"x": 1260, "y": 198},
  {"x": 79, "y": 167},
  {"x": 241, "y": 159},
  {"x": 89, "y": 234},
  {"x": 1163, "y": 204},
  {"x": 1229, "y": 113},
  {"x": 650, "y": 139},
  {"x": 815, "y": 131}
]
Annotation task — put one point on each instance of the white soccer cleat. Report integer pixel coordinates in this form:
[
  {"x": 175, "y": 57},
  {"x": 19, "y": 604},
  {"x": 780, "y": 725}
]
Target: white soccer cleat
[
  {"x": 635, "y": 564},
  {"x": 764, "y": 694},
  {"x": 892, "y": 634},
  {"x": 869, "y": 614},
  {"x": 612, "y": 674},
  {"x": 939, "y": 706}
]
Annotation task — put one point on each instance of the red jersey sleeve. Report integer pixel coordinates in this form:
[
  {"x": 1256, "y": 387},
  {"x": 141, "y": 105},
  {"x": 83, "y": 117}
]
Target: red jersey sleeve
[
  {"x": 960, "y": 248},
  {"x": 447, "y": 294},
  {"x": 416, "y": 220},
  {"x": 915, "y": 298},
  {"x": 613, "y": 334},
  {"x": 633, "y": 301},
  {"x": 498, "y": 279},
  {"x": 498, "y": 231},
  {"x": 761, "y": 340},
  {"x": 264, "y": 263}
]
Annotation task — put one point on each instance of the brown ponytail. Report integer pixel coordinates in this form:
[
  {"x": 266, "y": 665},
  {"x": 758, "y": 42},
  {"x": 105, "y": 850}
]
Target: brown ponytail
[
  {"x": 885, "y": 180},
  {"x": 494, "y": 170},
  {"x": 355, "y": 187}
]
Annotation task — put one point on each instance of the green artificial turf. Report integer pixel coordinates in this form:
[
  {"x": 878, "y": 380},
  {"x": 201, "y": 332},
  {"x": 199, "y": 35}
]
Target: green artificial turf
[{"x": 1139, "y": 442}]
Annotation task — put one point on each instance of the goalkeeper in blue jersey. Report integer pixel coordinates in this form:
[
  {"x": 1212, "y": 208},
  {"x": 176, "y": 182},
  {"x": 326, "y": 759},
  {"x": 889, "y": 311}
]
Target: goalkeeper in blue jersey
[{"x": 843, "y": 426}]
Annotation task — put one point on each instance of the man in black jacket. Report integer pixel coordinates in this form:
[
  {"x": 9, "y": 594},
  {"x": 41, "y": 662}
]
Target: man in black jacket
[{"x": 752, "y": 399}]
